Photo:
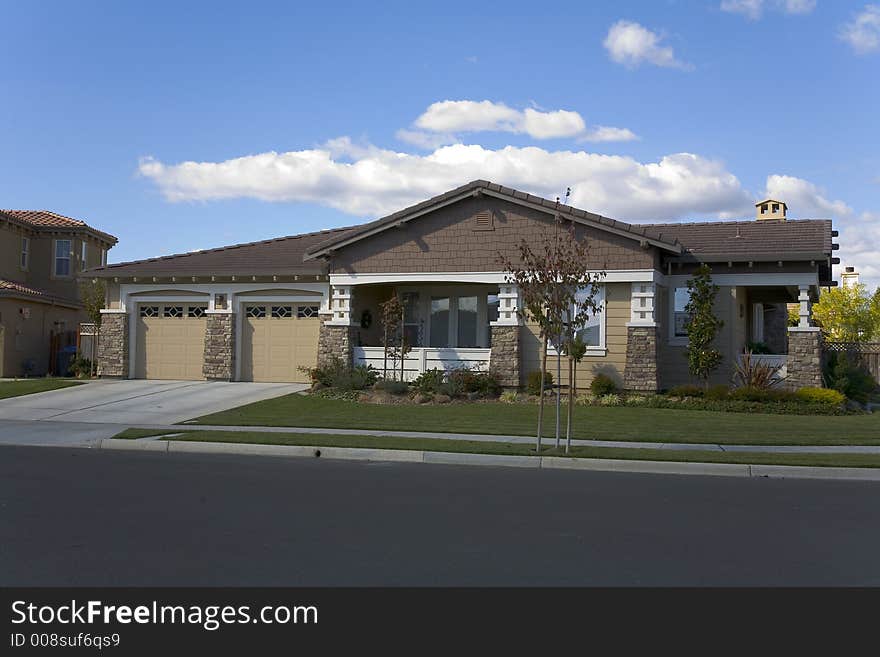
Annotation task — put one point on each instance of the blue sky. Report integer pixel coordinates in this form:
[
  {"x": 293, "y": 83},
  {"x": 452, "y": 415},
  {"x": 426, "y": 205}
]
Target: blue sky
[{"x": 295, "y": 117}]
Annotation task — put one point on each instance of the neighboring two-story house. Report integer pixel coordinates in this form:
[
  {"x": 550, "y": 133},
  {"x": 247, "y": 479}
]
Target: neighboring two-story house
[{"x": 41, "y": 256}]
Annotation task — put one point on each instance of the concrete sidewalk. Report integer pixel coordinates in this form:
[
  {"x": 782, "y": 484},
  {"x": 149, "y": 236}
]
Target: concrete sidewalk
[{"x": 547, "y": 441}]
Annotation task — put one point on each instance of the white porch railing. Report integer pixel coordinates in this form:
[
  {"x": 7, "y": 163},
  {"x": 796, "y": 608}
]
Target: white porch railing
[
  {"x": 422, "y": 359},
  {"x": 776, "y": 360}
]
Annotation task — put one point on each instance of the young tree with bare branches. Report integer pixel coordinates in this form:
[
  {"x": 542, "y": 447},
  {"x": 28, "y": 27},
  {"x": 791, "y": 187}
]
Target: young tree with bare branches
[{"x": 557, "y": 291}]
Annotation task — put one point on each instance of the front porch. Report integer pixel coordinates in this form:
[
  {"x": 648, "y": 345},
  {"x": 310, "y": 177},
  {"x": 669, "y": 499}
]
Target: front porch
[{"x": 446, "y": 324}]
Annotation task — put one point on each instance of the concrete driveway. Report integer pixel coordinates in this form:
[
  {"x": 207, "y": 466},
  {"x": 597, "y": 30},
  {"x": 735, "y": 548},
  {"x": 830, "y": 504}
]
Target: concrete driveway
[{"x": 80, "y": 415}]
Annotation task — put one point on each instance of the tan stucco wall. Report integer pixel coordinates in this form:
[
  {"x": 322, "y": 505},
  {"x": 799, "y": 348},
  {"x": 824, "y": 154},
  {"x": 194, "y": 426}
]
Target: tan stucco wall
[
  {"x": 731, "y": 306},
  {"x": 29, "y": 338},
  {"x": 617, "y": 301},
  {"x": 446, "y": 240},
  {"x": 10, "y": 252}
]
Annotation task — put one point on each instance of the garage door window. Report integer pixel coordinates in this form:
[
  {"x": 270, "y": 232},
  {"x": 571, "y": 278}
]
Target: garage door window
[
  {"x": 149, "y": 311},
  {"x": 282, "y": 312},
  {"x": 256, "y": 311},
  {"x": 303, "y": 312},
  {"x": 173, "y": 311},
  {"x": 195, "y": 311}
]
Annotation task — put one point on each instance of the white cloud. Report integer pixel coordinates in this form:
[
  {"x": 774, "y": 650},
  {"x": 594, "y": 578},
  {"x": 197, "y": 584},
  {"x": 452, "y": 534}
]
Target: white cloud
[
  {"x": 604, "y": 133},
  {"x": 449, "y": 116},
  {"x": 368, "y": 181},
  {"x": 805, "y": 199},
  {"x": 753, "y": 9},
  {"x": 425, "y": 140},
  {"x": 863, "y": 32},
  {"x": 631, "y": 44},
  {"x": 438, "y": 125}
]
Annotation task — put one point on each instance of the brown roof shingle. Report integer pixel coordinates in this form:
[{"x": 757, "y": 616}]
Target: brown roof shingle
[
  {"x": 16, "y": 289},
  {"x": 804, "y": 239},
  {"x": 282, "y": 255},
  {"x": 47, "y": 220}
]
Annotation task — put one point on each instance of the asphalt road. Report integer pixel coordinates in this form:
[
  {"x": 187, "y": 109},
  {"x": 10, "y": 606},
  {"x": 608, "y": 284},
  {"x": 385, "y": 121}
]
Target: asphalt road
[{"x": 85, "y": 517}]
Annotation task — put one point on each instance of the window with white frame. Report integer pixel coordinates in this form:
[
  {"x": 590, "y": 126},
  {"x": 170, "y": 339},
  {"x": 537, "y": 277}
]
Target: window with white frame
[
  {"x": 103, "y": 257},
  {"x": 593, "y": 331},
  {"x": 681, "y": 296},
  {"x": 83, "y": 254},
  {"x": 449, "y": 317},
  {"x": 62, "y": 257},
  {"x": 25, "y": 252}
]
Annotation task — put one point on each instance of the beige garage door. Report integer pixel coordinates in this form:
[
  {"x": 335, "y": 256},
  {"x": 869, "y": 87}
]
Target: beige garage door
[
  {"x": 170, "y": 341},
  {"x": 277, "y": 340}
]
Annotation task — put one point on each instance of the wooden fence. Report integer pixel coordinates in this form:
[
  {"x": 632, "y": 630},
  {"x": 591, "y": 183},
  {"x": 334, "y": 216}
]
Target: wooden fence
[{"x": 866, "y": 354}]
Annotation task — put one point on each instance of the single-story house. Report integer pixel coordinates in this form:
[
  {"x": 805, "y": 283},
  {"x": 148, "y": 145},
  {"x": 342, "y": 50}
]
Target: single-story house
[{"x": 264, "y": 310}]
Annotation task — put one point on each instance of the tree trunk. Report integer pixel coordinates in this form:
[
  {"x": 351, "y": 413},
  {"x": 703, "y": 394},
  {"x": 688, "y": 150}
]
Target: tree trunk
[
  {"x": 572, "y": 391},
  {"x": 541, "y": 400}
]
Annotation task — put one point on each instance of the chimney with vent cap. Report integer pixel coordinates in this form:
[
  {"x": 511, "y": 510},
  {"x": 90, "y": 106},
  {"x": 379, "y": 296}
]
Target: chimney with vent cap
[
  {"x": 770, "y": 210},
  {"x": 849, "y": 277}
]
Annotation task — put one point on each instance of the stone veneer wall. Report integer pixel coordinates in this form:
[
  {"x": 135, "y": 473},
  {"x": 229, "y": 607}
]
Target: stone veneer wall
[
  {"x": 113, "y": 345},
  {"x": 219, "y": 362},
  {"x": 504, "y": 356},
  {"x": 804, "y": 359},
  {"x": 337, "y": 341},
  {"x": 640, "y": 372}
]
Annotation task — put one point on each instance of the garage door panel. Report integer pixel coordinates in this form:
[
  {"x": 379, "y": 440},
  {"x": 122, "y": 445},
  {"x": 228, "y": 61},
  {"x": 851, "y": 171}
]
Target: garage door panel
[
  {"x": 276, "y": 343},
  {"x": 170, "y": 347}
]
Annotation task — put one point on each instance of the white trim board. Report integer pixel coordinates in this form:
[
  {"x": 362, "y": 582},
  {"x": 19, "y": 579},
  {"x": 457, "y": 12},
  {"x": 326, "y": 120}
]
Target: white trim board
[{"x": 489, "y": 277}]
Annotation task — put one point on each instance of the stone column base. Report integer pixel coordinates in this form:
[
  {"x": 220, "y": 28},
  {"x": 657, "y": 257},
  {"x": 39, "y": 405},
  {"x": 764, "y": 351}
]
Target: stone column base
[
  {"x": 219, "y": 362},
  {"x": 804, "y": 358},
  {"x": 504, "y": 356},
  {"x": 113, "y": 346},
  {"x": 640, "y": 371},
  {"x": 335, "y": 341}
]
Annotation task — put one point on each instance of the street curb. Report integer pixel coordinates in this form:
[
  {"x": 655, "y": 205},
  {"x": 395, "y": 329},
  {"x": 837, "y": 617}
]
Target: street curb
[{"x": 496, "y": 460}]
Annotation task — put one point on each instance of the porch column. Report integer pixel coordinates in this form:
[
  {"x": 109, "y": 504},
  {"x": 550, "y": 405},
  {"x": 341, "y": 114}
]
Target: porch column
[
  {"x": 804, "y": 348},
  {"x": 337, "y": 334},
  {"x": 113, "y": 344},
  {"x": 640, "y": 371},
  {"x": 504, "y": 357},
  {"x": 219, "y": 363}
]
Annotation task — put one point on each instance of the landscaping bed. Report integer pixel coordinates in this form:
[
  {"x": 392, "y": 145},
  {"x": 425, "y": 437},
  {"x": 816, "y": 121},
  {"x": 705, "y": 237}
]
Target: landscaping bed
[{"x": 514, "y": 449}]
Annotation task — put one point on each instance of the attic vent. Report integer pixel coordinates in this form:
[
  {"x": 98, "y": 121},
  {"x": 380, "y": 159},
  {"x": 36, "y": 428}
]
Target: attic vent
[{"x": 483, "y": 221}]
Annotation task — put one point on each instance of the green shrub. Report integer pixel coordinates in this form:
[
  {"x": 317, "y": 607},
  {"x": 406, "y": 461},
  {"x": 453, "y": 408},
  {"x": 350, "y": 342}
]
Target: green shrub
[
  {"x": 392, "y": 387},
  {"x": 636, "y": 400},
  {"x": 509, "y": 397},
  {"x": 81, "y": 367},
  {"x": 717, "y": 392},
  {"x": 602, "y": 385},
  {"x": 687, "y": 390},
  {"x": 337, "y": 374},
  {"x": 533, "y": 382},
  {"x": 758, "y": 348},
  {"x": 757, "y": 394},
  {"x": 610, "y": 400},
  {"x": 429, "y": 381},
  {"x": 584, "y": 400},
  {"x": 821, "y": 396},
  {"x": 843, "y": 375},
  {"x": 464, "y": 380}
]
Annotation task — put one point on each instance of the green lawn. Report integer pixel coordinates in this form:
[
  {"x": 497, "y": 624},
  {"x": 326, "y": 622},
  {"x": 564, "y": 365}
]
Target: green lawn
[
  {"x": 440, "y": 445},
  {"x": 30, "y": 386},
  {"x": 604, "y": 423}
]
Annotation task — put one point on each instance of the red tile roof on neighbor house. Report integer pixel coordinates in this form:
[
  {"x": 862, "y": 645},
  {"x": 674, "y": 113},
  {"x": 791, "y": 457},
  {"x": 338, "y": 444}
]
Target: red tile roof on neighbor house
[
  {"x": 10, "y": 288},
  {"x": 47, "y": 220}
]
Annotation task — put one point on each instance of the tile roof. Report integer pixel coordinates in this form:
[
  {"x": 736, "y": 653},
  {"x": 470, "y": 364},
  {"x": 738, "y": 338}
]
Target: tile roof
[
  {"x": 47, "y": 220},
  {"x": 282, "y": 255},
  {"x": 637, "y": 231},
  {"x": 14, "y": 288},
  {"x": 804, "y": 239}
]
